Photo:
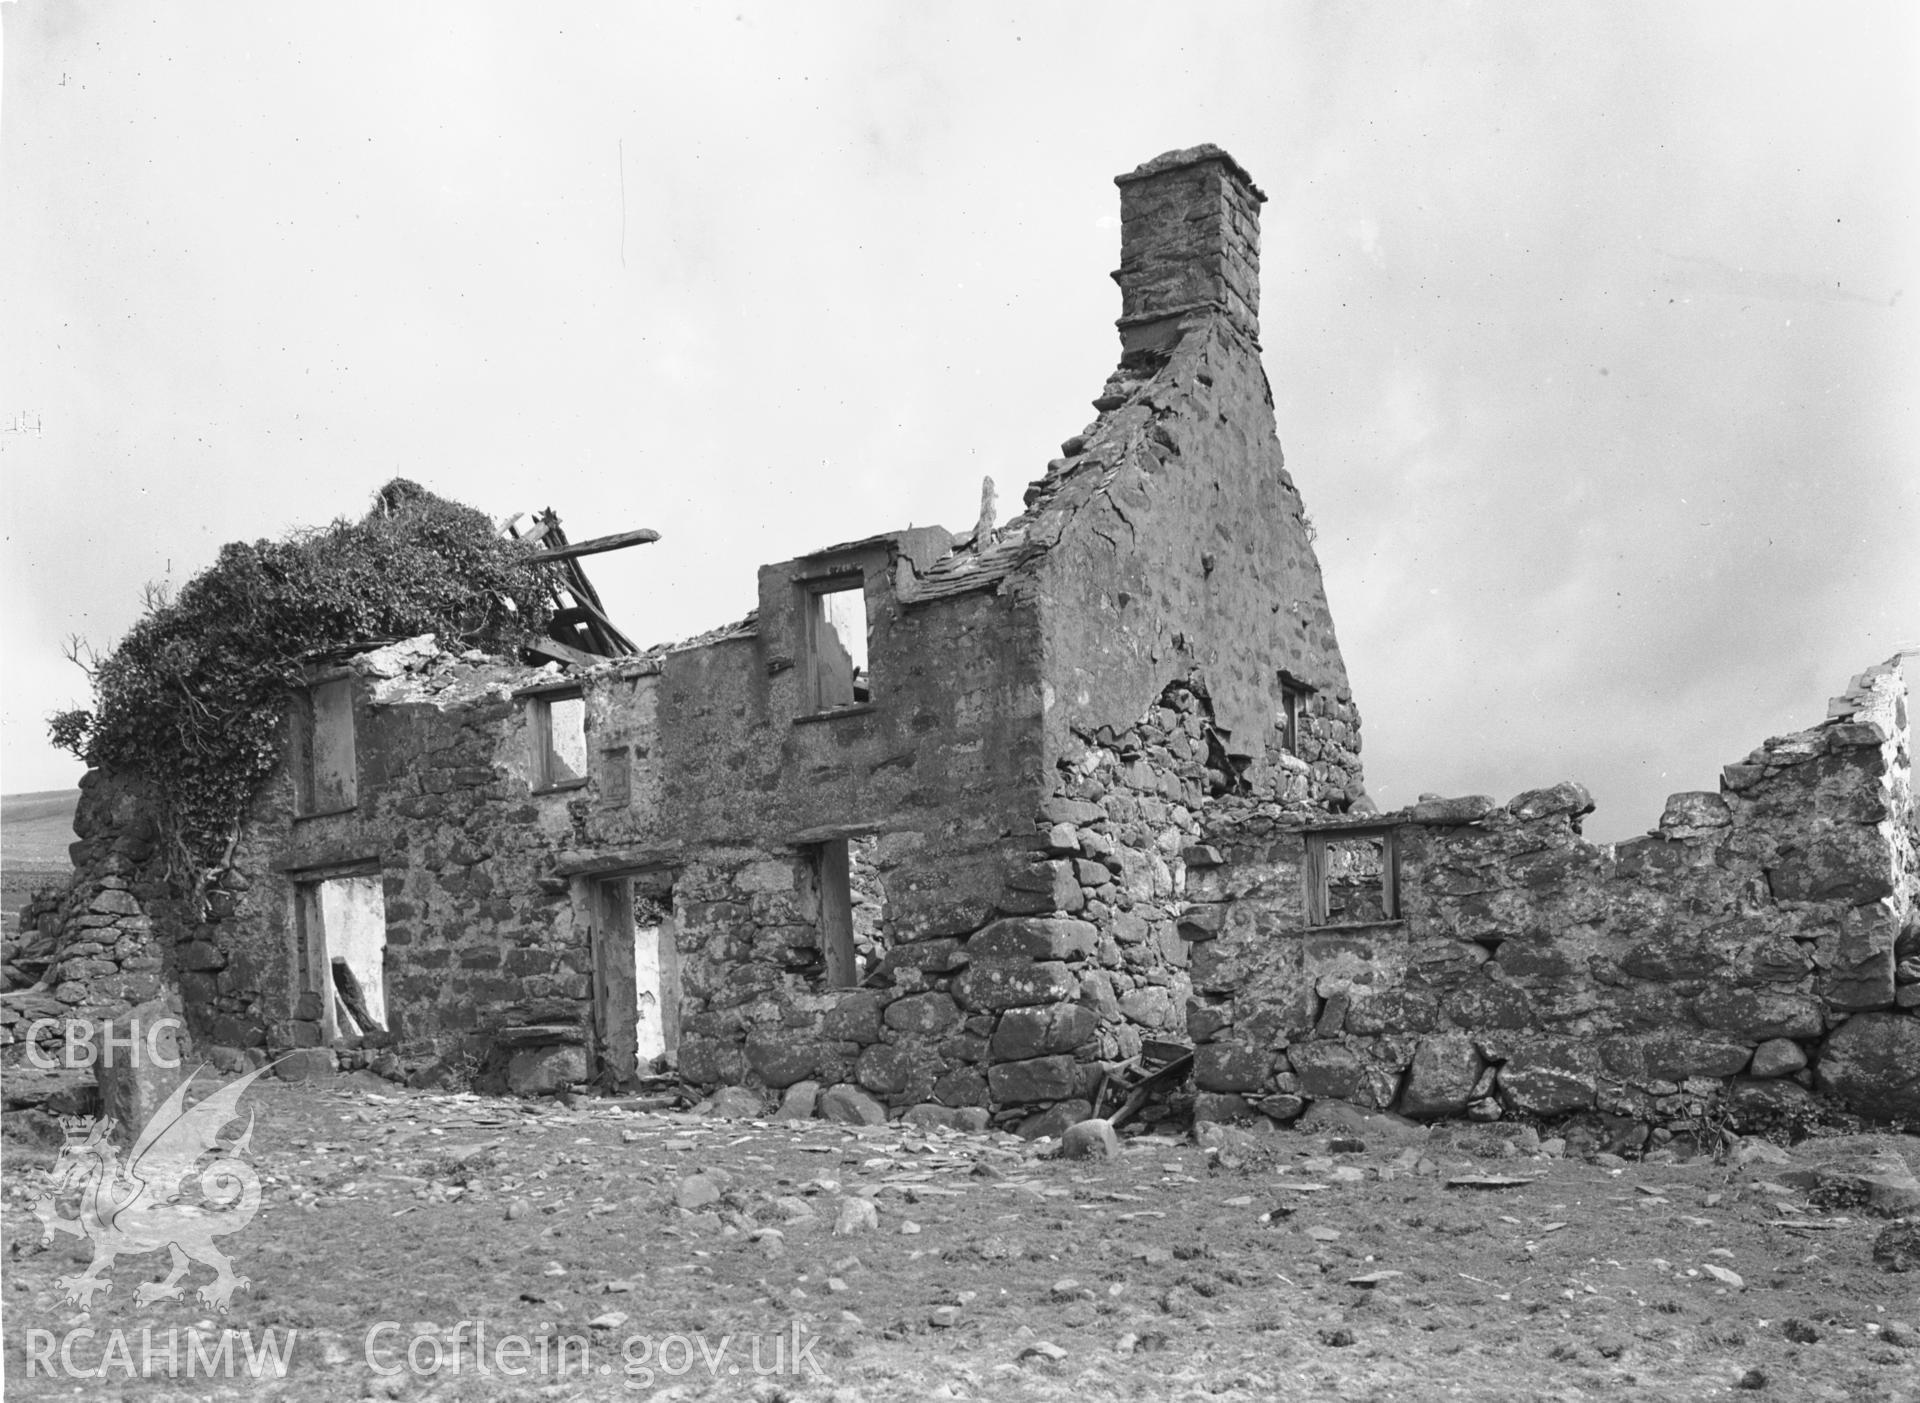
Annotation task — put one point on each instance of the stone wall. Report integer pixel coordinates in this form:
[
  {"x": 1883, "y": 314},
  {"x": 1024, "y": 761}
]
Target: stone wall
[
  {"x": 478, "y": 929},
  {"x": 136, "y": 928},
  {"x": 105, "y": 956},
  {"x": 718, "y": 753},
  {"x": 483, "y": 953},
  {"x": 487, "y": 878},
  {"x": 1102, "y": 761},
  {"x": 1179, "y": 543},
  {"x": 1758, "y": 945},
  {"x": 1080, "y": 961},
  {"x": 1021, "y": 783},
  {"x": 722, "y": 746}
]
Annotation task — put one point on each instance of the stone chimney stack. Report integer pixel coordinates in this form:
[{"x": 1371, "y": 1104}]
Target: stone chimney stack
[{"x": 1189, "y": 242}]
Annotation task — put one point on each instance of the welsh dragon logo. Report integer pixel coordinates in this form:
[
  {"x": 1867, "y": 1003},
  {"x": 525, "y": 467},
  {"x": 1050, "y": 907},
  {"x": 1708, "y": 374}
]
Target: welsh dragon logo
[{"x": 134, "y": 1207}]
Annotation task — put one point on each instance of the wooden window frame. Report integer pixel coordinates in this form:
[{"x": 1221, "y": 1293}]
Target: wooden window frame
[
  {"x": 1294, "y": 695},
  {"x": 1316, "y": 874},
  {"x": 541, "y": 723}
]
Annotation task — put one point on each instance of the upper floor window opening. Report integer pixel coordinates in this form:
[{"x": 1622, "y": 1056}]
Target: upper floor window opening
[
  {"x": 559, "y": 740},
  {"x": 325, "y": 765},
  {"x": 1293, "y": 707},
  {"x": 834, "y": 642}
]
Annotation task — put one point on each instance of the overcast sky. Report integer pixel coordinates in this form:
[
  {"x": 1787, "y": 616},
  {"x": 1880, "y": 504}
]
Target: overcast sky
[{"x": 1589, "y": 325}]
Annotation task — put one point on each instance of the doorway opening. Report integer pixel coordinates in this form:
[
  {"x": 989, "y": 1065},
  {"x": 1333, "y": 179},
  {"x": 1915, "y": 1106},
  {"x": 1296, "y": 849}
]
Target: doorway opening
[
  {"x": 637, "y": 975},
  {"x": 343, "y": 956},
  {"x": 855, "y": 926}
]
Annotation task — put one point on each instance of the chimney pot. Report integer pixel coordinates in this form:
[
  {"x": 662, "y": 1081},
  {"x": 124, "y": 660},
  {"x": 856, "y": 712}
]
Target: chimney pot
[{"x": 1189, "y": 242}]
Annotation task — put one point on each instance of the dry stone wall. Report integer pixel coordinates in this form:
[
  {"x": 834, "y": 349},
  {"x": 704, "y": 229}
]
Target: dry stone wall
[
  {"x": 98, "y": 934},
  {"x": 1757, "y": 947},
  {"x": 134, "y": 931}
]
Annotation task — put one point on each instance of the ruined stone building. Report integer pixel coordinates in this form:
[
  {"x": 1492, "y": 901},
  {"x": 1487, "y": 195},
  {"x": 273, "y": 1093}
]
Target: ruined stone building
[{"x": 987, "y": 822}]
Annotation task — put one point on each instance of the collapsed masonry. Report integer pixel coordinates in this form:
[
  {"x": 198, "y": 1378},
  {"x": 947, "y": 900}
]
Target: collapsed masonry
[{"x": 996, "y": 826}]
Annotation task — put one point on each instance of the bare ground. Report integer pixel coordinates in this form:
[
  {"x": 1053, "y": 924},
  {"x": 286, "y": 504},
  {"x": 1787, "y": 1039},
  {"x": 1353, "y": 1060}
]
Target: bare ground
[{"x": 1296, "y": 1270}]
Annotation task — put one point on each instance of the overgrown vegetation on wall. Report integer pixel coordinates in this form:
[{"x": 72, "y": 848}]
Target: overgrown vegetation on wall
[{"x": 191, "y": 700}]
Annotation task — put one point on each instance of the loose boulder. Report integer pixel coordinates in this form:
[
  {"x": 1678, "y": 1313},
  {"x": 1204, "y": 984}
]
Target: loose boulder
[
  {"x": 849, "y": 1105},
  {"x": 855, "y": 1215},
  {"x": 698, "y": 1191},
  {"x": 1090, "y": 1139},
  {"x": 538, "y": 1071},
  {"x": 1896, "y": 1247},
  {"x": 1056, "y": 1121},
  {"x": 1848, "y": 1173},
  {"x": 1487, "y": 1140},
  {"x": 798, "y": 1101},
  {"x": 1374, "y": 1128},
  {"x": 930, "y": 1116},
  {"x": 736, "y": 1103}
]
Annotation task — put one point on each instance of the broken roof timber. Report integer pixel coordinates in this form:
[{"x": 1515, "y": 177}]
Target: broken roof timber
[
  {"x": 618, "y": 541},
  {"x": 560, "y": 652},
  {"x": 580, "y": 623}
]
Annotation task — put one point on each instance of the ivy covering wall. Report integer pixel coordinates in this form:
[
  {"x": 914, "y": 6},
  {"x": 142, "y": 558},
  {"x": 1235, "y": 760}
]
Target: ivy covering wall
[{"x": 191, "y": 700}]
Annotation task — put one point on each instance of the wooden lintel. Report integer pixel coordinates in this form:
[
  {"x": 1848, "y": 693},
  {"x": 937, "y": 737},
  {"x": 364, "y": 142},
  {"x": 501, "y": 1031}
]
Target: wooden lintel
[
  {"x": 827, "y": 833},
  {"x": 619, "y": 862}
]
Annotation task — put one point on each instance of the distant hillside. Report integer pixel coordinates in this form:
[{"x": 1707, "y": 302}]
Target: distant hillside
[
  {"x": 36, "y": 828},
  {"x": 34, "y": 832}
]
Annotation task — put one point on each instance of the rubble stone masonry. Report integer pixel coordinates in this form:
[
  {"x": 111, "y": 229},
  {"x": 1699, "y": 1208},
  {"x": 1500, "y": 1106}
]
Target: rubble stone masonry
[
  {"x": 1097, "y": 792},
  {"x": 1760, "y": 943}
]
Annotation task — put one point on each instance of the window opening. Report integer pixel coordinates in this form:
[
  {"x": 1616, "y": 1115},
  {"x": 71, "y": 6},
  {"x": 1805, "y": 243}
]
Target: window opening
[
  {"x": 1353, "y": 878},
  {"x": 1293, "y": 706},
  {"x": 323, "y": 763},
  {"x": 560, "y": 739},
  {"x": 836, "y": 646}
]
